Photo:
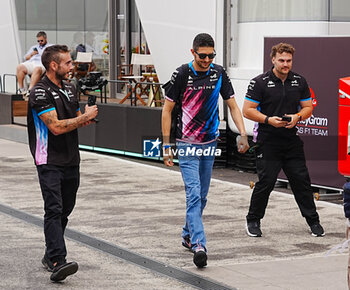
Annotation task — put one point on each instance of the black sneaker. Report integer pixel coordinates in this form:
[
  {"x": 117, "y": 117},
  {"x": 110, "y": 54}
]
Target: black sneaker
[
  {"x": 317, "y": 230},
  {"x": 200, "y": 257},
  {"x": 48, "y": 265},
  {"x": 253, "y": 229},
  {"x": 62, "y": 270},
  {"x": 186, "y": 242}
]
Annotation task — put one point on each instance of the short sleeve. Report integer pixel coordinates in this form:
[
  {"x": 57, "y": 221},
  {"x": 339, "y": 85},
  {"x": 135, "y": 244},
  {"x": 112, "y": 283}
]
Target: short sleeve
[
  {"x": 226, "y": 90},
  {"x": 29, "y": 52},
  {"x": 174, "y": 87},
  {"x": 306, "y": 94},
  {"x": 254, "y": 92},
  {"x": 40, "y": 102}
]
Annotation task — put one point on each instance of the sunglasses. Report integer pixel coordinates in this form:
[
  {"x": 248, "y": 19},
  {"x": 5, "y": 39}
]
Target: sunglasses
[
  {"x": 204, "y": 55},
  {"x": 40, "y": 40}
]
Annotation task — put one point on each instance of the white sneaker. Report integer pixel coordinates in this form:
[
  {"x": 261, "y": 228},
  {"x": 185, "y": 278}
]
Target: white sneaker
[{"x": 22, "y": 91}]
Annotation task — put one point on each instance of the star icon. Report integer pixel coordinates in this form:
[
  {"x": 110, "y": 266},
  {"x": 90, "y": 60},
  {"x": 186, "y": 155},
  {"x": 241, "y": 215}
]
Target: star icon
[{"x": 156, "y": 144}]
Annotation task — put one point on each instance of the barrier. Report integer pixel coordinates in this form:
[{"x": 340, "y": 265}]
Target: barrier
[
  {"x": 5, "y": 109},
  {"x": 121, "y": 128},
  {"x": 4, "y": 81}
]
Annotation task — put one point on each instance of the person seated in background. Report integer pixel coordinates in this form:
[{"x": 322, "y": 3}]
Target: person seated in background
[{"x": 32, "y": 65}]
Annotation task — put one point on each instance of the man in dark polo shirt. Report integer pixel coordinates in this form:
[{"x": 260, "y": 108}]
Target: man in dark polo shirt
[
  {"x": 277, "y": 100},
  {"x": 53, "y": 119}
]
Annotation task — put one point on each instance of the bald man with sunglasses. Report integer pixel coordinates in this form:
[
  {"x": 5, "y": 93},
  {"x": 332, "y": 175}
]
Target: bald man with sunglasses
[{"x": 194, "y": 88}]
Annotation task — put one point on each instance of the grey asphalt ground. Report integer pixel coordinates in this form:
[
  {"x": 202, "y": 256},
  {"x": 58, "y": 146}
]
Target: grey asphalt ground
[{"x": 139, "y": 208}]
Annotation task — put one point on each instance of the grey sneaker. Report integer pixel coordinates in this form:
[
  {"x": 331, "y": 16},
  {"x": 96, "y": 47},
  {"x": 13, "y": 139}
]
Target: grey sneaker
[
  {"x": 253, "y": 229},
  {"x": 317, "y": 230},
  {"x": 22, "y": 91}
]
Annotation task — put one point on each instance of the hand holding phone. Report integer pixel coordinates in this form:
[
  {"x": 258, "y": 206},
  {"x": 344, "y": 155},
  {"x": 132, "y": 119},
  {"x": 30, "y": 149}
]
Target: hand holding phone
[{"x": 286, "y": 118}]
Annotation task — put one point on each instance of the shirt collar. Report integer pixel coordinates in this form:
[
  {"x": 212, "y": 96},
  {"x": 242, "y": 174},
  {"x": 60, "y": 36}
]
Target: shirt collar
[
  {"x": 275, "y": 78},
  {"x": 195, "y": 72},
  {"x": 53, "y": 85},
  {"x": 42, "y": 46}
]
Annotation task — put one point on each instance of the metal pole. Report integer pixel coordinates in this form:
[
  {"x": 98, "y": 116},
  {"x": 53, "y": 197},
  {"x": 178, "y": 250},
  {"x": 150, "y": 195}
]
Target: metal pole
[
  {"x": 227, "y": 34},
  {"x": 128, "y": 46},
  {"x": 114, "y": 44},
  {"x": 233, "y": 38},
  {"x": 227, "y": 43}
]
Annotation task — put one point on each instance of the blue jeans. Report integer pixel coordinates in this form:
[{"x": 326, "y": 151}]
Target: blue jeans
[{"x": 196, "y": 172}]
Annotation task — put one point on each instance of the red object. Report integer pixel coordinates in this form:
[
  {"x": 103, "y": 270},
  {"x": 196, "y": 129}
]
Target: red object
[
  {"x": 313, "y": 98},
  {"x": 344, "y": 119}
]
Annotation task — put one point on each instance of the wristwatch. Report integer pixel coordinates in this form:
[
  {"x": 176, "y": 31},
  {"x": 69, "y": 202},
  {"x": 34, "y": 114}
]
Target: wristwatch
[{"x": 266, "y": 120}]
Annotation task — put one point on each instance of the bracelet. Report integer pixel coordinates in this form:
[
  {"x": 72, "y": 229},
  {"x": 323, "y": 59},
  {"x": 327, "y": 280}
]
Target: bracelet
[
  {"x": 300, "y": 116},
  {"x": 266, "y": 120},
  {"x": 166, "y": 146}
]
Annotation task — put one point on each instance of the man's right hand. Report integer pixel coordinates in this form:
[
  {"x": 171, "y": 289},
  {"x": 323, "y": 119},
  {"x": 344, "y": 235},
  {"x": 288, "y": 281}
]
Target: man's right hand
[
  {"x": 168, "y": 157},
  {"x": 91, "y": 111}
]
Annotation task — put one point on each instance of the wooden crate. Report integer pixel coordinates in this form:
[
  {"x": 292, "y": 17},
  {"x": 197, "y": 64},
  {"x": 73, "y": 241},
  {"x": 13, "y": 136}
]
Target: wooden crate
[{"x": 19, "y": 108}]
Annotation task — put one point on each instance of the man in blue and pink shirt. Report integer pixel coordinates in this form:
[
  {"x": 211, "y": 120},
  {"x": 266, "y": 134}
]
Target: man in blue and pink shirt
[{"x": 194, "y": 88}]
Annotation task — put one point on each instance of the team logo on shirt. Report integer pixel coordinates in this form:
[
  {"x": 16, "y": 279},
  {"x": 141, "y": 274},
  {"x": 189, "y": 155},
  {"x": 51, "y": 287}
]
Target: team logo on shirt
[
  {"x": 294, "y": 83},
  {"x": 173, "y": 77},
  {"x": 40, "y": 96},
  {"x": 189, "y": 80},
  {"x": 214, "y": 78},
  {"x": 55, "y": 95},
  {"x": 70, "y": 94},
  {"x": 251, "y": 85},
  {"x": 271, "y": 84}
]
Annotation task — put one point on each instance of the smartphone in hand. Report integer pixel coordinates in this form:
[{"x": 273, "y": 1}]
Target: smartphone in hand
[{"x": 286, "y": 118}]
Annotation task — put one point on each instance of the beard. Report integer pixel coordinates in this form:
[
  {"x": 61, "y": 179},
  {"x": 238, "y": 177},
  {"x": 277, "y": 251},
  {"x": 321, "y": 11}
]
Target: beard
[
  {"x": 283, "y": 71},
  {"x": 202, "y": 65},
  {"x": 60, "y": 75}
]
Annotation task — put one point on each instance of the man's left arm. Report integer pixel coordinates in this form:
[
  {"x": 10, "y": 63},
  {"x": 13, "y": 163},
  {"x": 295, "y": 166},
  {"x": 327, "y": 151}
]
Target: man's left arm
[
  {"x": 227, "y": 94},
  {"x": 236, "y": 115}
]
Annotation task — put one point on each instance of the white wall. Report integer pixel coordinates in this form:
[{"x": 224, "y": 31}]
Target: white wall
[
  {"x": 10, "y": 51},
  {"x": 170, "y": 27}
]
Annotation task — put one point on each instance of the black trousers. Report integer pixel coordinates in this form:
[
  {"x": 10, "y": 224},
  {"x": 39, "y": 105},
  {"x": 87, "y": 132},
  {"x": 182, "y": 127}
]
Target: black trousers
[
  {"x": 270, "y": 159},
  {"x": 59, "y": 186}
]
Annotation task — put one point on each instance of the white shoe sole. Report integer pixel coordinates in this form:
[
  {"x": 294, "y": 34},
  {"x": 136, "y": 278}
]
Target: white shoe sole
[
  {"x": 312, "y": 234},
  {"x": 250, "y": 234}
]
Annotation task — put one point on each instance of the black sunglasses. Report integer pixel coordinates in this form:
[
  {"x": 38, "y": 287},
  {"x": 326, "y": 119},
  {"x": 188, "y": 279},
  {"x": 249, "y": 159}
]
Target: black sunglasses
[
  {"x": 40, "y": 40},
  {"x": 204, "y": 55}
]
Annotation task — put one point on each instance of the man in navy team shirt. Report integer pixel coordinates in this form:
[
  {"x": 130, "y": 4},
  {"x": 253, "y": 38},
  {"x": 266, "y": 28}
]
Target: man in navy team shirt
[
  {"x": 276, "y": 100},
  {"x": 53, "y": 119},
  {"x": 196, "y": 87}
]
